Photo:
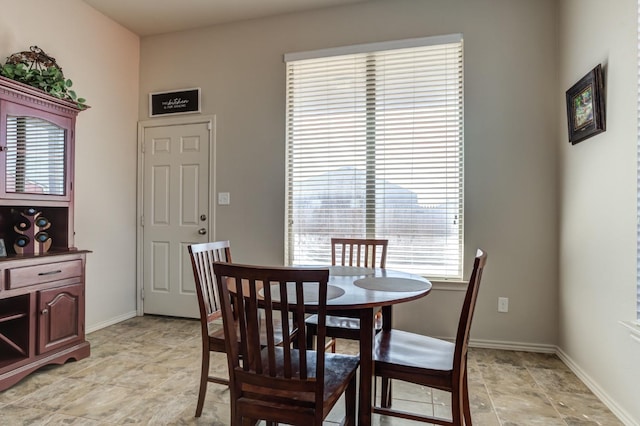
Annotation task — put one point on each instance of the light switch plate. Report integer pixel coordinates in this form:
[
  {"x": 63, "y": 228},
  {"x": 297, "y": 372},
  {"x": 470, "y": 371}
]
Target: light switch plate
[{"x": 224, "y": 198}]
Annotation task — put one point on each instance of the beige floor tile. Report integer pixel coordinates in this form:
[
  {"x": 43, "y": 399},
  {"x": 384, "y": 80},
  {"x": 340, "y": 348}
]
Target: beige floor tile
[
  {"x": 58, "y": 394},
  {"x": 26, "y": 386},
  {"x": 145, "y": 371},
  {"x": 524, "y": 406},
  {"x": 582, "y": 408},
  {"x": 16, "y": 415}
]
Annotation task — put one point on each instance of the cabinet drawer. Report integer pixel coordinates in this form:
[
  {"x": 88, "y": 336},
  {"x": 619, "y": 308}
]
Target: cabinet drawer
[{"x": 38, "y": 274}]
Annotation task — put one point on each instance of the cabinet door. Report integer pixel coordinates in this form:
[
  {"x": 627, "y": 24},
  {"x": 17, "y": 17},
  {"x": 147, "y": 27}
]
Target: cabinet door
[{"x": 61, "y": 316}]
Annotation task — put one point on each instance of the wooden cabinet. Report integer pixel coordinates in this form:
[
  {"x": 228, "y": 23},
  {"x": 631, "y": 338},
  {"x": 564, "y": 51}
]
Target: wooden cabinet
[{"x": 42, "y": 278}]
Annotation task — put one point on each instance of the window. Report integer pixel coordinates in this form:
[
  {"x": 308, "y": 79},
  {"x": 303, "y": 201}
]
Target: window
[{"x": 375, "y": 150}]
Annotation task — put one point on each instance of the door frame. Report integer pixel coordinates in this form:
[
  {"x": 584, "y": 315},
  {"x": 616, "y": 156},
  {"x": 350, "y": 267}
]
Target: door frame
[{"x": 210, "y": 120}]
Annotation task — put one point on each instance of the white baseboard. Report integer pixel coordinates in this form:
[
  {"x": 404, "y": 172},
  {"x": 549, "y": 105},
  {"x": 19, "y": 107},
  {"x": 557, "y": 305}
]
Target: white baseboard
[
  {"x": 618, "y": 411},
  {"x": 512, "y": 346},
  {"x": 111, "y": 321},
  {"x": 596, "y": 389}
]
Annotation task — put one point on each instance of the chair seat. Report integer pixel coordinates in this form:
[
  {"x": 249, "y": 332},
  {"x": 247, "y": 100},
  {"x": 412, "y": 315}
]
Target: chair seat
[
  {"x": 339, "y": 368},
  {"x": 407, "y": 349},
  {"x": 430, "y": 362}
]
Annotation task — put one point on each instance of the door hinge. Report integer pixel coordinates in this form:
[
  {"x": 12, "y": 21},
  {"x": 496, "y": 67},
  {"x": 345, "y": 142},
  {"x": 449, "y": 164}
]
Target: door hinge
[
  {"x": 142, "y": 293},
  {"x": 142, "y": 147},
  {"x": 141, "y": 220}
]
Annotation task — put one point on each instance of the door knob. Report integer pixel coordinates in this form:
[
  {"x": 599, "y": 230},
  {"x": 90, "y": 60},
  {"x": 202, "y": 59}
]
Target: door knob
[{"x": 202, "y": 231}]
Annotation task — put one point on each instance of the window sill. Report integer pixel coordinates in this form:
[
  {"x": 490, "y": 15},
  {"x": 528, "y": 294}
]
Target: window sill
[
  {"x": 448, "y": 285},
  {"x": 634, "y": 328}
]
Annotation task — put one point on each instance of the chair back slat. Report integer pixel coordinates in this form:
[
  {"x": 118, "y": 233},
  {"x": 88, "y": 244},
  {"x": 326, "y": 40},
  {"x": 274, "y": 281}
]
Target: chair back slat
[
  {"x": 273, "y": 296},
  {"x": 367, "y": 252}
]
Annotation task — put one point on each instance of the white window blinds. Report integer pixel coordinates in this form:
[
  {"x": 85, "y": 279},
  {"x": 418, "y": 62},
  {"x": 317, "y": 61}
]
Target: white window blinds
[{"x": 375, "y": 150}]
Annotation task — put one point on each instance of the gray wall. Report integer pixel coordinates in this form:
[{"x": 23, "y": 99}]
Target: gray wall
[{"x": 510, "y": 166}]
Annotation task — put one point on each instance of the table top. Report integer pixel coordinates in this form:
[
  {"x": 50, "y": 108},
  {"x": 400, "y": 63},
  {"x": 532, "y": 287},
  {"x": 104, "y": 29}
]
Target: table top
[{"x": 353, "y": 287}]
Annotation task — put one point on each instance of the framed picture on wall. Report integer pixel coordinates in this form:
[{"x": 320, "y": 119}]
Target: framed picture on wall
[
  {"x": 183, "y": 101},
  {"x": 585, "y": 106}
]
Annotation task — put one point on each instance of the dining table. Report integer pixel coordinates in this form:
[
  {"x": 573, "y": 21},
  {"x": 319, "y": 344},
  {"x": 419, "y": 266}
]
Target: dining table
[{"x": 359, "y": 292}]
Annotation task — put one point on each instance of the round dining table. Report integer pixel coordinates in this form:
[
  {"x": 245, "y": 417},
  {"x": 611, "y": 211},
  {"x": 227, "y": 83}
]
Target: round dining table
[{"x": 358, "y": 292}]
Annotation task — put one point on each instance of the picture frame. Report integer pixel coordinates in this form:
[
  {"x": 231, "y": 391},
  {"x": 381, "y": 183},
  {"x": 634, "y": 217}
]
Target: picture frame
[
  {"x": 3, "y": 248},
  {"x": 183, "y": 101},
  {"x": 586, "y": 106}
]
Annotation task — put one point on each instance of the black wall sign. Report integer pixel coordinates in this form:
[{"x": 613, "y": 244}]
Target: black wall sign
[{"x": 178, "y": 102}]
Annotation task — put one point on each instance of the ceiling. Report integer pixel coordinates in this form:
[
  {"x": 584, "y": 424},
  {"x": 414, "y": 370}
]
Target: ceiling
[{"x": 150, "y": 17}]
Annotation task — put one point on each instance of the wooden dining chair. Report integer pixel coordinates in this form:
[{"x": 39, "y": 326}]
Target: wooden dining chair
[
  {"x": 287, "y": 383},
  {"x": 358, "y": 252},
  {"x": 430, "y": 362},
  {"x": 202, "y": 257}
]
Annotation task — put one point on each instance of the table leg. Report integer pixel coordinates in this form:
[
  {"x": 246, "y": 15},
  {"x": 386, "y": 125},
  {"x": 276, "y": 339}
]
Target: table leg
[
  {"x": 387, "y": 314},
  {"x": 365, "y": 400}
]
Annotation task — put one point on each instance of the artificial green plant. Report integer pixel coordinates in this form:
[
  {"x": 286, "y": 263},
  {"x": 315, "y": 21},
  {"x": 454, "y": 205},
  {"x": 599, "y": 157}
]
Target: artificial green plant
[{"x": 49, "y": 79}]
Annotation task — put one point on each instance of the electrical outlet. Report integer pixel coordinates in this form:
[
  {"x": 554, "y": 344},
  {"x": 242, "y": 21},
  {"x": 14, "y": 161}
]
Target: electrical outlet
[{"x": 503, "y": 304}]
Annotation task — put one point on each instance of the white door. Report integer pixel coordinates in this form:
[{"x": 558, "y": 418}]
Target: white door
[{"x": 175, "y": 214}]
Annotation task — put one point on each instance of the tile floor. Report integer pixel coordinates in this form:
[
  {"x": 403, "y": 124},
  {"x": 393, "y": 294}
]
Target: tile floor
[{"x": 144, "y": 371}]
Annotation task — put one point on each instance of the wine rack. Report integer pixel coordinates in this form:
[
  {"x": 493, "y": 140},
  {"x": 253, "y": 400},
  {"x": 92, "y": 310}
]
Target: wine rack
[{"x": 14, "y": 329}]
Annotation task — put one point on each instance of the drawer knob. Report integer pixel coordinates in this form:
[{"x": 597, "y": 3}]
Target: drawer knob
[{"x": 45, "y": 311}]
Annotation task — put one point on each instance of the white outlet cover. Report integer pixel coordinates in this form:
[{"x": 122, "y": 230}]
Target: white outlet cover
[{"x": 503, "y": 304}]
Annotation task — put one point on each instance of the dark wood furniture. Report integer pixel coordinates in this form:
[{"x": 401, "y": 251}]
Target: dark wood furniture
[
  {"x": 286, "y": 383},
  {"x": 430, "y": 362},
  {"x": 364, "y": 293},
  {"x": 42, "y": 278},
  {"x": 367, "y": 252},
  {"x": 202, "y": 258},
  {"x": 352, "y": 289},
  {"x": 354, "y": 252}
]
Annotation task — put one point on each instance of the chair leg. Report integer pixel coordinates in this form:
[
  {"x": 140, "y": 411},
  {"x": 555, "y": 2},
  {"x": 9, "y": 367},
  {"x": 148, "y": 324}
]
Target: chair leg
[
  {"x": 457, "y": 417},
  {"x": 236, "y": 418},
  {"x": 385, "y": 393},
  {"x": 310, "y": 337},
  {"x": 350, "y": 403},
  {"x": 458, "y": 414},
  {"x": 465, "y": 400},
  {"x": 204, "y": 375}
]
